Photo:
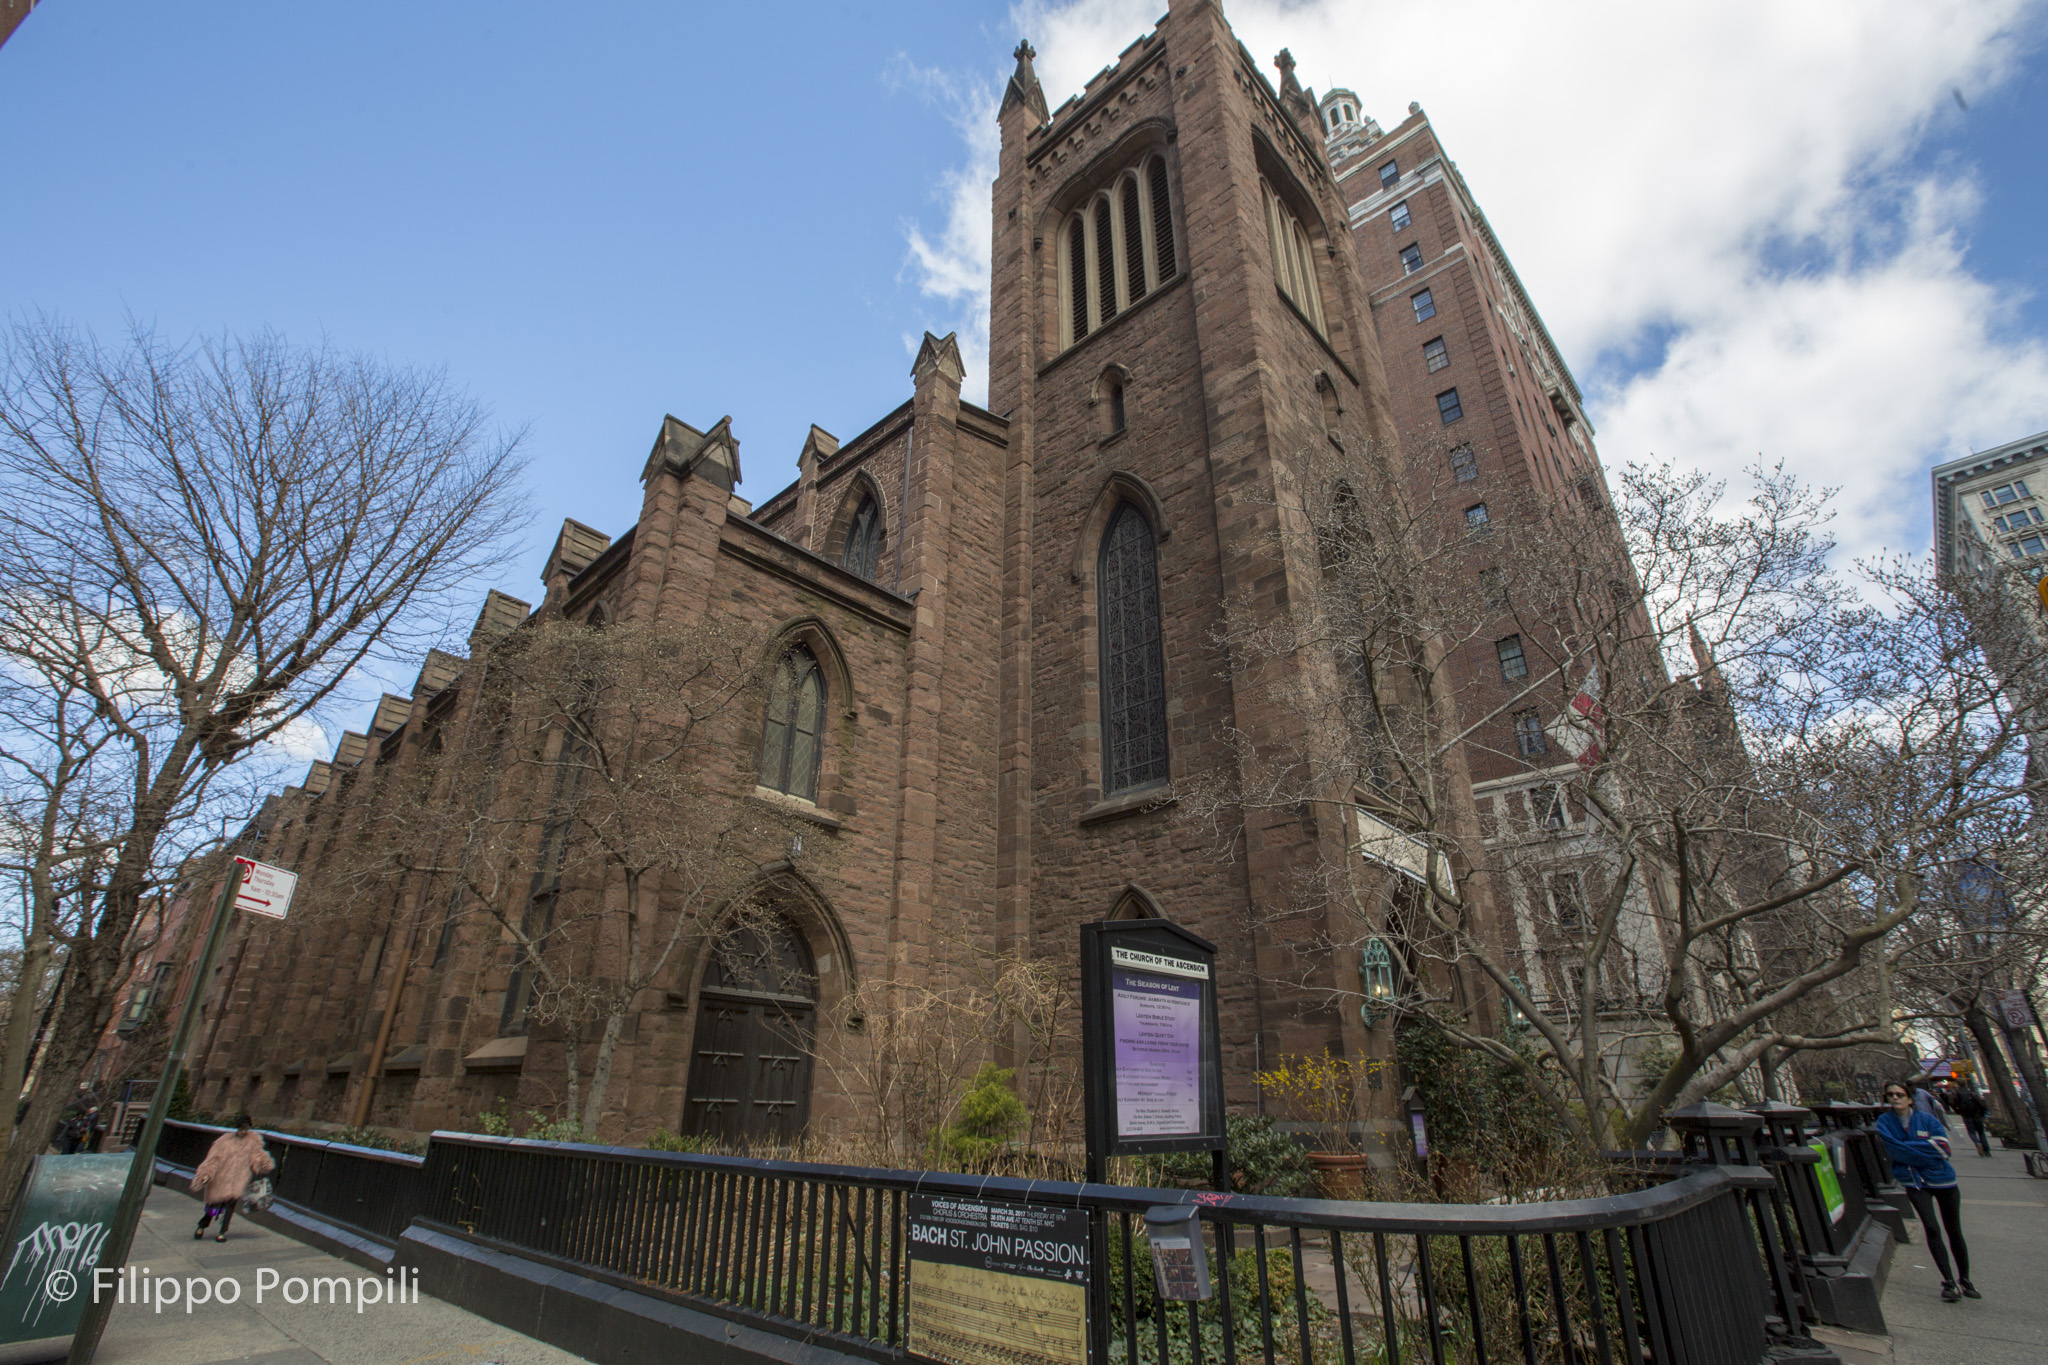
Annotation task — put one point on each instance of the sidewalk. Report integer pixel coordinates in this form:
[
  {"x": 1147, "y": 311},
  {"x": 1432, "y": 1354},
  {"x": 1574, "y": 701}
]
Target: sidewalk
[
  {"x": 276, "y": 1332},
  {"x": 2005, "y": 1222}
]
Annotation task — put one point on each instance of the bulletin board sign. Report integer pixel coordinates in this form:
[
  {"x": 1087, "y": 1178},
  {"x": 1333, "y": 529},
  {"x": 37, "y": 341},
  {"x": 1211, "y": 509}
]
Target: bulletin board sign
[
  {"x": 996, "y": 1283},
  {"x": 1153, "y": 1069}
]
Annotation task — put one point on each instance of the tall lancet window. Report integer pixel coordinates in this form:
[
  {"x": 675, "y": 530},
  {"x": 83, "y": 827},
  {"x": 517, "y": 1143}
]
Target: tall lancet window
[
  {"x": 1133, "y": 671},
  {"x": 863, "y": 549},
  {"x": 792, "y": 728},
  {"x": 1294, "y": 258}
]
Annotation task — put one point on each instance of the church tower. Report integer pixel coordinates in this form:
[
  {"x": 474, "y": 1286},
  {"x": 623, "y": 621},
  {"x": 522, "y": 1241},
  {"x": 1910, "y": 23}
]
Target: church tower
[{"x": 1176, "y": 314}]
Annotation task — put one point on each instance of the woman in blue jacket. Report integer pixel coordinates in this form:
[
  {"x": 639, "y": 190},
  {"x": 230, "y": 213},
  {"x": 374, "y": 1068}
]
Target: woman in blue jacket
[{"x": 1919, "y": 1148}]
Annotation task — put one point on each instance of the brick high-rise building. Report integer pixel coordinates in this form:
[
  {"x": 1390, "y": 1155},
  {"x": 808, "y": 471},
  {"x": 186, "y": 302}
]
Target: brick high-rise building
[
  {"x": 1496, "y": 434},
  {"x": 1002, "y": 628}
]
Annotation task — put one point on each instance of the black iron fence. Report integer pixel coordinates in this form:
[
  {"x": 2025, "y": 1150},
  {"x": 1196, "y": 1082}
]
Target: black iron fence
[
  {"x": 365, "y": 1190},
  {"x": 1701, "y": 1268},
  {"x": 1680, "y": 1273}
]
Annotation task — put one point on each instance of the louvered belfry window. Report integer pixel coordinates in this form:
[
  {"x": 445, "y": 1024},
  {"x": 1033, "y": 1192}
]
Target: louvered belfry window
[
  {"x": 794, "y": 723},
  {"x": 1294, "y": 260},
  {"x": 1116, "y": 249},
  {"x": 863, "y": 539},
  {"x": 1133, "y": 671}
]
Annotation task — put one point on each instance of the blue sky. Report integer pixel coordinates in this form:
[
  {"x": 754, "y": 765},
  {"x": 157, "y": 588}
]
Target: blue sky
[{"x": 1753, "y": 228}]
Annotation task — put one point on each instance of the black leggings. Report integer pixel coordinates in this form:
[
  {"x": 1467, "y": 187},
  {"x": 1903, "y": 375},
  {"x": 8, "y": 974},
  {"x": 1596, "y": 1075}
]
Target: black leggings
[
  {"x": 1949, "y": 1201},
  {"x": 226, "y": 1213}
]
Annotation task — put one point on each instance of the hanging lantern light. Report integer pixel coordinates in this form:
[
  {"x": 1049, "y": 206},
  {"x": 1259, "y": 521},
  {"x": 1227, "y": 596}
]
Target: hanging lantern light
[
  {"x": 1512, "y": 1017},
  {"x": 1376, "y": 980}
]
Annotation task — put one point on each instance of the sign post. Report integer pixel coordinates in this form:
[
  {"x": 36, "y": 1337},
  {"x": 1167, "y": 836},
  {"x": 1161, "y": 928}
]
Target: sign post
[
  {"x": 272, "y": 896},
  {"x": 1151, "y": 1062}
]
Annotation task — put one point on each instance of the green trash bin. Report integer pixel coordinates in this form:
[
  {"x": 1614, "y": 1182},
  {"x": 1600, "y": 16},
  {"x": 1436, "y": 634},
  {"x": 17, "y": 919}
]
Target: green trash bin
[{"x": 60, "y": 1224}]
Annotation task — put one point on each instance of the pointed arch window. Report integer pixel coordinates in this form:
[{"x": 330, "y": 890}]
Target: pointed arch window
[
  {"x": 1133, "y": 669},
  {"x": 863, "y": 550},
  {"x": 1116, "y": 248},
  {"x": 1294, "y": 268},
  {"x": 794, "y": 726}
]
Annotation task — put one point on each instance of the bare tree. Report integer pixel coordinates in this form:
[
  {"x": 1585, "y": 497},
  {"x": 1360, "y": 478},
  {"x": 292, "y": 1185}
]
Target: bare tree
[
  {"x": 200, "y": 544},
  {"x": 1741, "y": 768},
  {"x": 596, "y": 810}
]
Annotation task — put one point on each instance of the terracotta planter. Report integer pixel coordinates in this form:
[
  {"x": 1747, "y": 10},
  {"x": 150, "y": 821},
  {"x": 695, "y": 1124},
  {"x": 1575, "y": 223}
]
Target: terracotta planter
[{"x": 1339, "y": 1175}]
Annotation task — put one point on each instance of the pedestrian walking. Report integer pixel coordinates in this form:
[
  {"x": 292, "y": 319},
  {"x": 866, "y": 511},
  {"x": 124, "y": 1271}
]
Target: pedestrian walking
[
  {"x": 1970, "y": 1107},
  {"x": 231, "y": 1163},
  {"x": 1919, "y": 1147}
]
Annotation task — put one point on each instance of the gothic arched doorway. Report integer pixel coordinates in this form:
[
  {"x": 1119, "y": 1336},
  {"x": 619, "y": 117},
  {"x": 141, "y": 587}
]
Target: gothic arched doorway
[{"x": 750, "y": 1062}]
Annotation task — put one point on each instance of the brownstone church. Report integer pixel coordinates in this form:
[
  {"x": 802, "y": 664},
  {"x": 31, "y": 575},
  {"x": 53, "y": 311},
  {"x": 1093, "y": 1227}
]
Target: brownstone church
[{"x": 1000, "y": 624}]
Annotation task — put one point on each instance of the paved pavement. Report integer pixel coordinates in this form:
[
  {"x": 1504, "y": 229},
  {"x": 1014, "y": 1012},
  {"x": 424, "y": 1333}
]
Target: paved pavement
[
  {"x": 2005, "y": 1223},
  {"x": 276, "y": 1332}
]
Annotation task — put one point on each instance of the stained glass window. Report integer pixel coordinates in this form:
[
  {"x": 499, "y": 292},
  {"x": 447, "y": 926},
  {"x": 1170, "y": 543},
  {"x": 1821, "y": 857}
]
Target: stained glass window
[
  {"x": 1133, "y": 671},
  {"x": 795, "y": 721},
  {"x": 863, "y": 539}
]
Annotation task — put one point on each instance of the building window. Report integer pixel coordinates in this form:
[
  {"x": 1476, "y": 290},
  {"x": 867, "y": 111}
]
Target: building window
[
  {"x": 1411, "y": 259},
  {"x": 1514, "y": 665},
  {"x": 1425, "y": 306},
  {"x": 1435, "y": 355},
  {"x": 2006, "y": 492},
  {"x": 1116, "y": 249},
  {"x": 1398, "y": 218},
  {"x": 1550, "y": 808},
  {"x": 793, "y": 727},
  {"x": 1567, "y": 897},
  {"x": 1133, "y": 669},
  {"x": 1448, "y": 407},
  {"x": 863, "y": 548},
  {"x": 1464, "y": 464},
  {"x": 1529, "y": 741},
  {"x": 1293, "y": 258},
  {"x": 2027, "y": 546},
  {"x": 1389, "y": 173},
  {"x": 1476, "y": 519}
]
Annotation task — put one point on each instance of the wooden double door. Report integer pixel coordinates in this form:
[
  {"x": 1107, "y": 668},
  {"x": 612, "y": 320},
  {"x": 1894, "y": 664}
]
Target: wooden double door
[{"x": 751, "y": 1052}]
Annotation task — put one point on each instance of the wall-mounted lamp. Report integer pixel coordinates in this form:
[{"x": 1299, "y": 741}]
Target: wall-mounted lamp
[
  {"x": 1511, "y": 1014},
  {"x": 1376, "y": 980}
]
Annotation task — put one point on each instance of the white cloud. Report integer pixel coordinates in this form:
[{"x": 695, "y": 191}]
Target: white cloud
[
  {"x": 300, "y": 740},
  {"x": 1713, "y": 206},
  {"x": 953, "y": 266}
]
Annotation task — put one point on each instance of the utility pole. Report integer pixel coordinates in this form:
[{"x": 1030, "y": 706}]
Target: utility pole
[{"x": 142, "y": 1168}]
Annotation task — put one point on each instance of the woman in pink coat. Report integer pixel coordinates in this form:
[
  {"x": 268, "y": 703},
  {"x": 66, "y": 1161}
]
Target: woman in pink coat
[{"x": 231, "y": 1163}]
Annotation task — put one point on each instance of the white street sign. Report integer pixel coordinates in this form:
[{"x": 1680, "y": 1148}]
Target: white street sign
[{"x": 265, "y": 890}]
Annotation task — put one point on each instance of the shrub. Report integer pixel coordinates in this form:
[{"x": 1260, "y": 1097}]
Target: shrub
[
  {"x": 990, "y": 1115},
  {"x": 1263, "y": 1160},
  {"x": 1480, "y": 1110},
  {"x": 665, "y": 1141},
  {"x": 500, "y": 1121}
]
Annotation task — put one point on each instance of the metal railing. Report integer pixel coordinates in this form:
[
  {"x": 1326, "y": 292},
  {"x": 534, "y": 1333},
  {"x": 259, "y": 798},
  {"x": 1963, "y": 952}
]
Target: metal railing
[
  {"x": 1678, "y": 1274},
  {"x": 368, "y": 1191}
]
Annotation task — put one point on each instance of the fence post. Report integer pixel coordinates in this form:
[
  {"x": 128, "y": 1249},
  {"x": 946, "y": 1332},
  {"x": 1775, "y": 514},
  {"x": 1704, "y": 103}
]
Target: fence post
[
  {"x": 1886, "y": 1202},
  {"x": 1843, "y": 1261},
  {"x": 1716, "y": 1135}
]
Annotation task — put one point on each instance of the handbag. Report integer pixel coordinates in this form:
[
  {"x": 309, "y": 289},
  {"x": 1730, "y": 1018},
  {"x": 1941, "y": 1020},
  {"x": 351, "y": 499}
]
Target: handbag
[{"x": 258, "y": 1196}]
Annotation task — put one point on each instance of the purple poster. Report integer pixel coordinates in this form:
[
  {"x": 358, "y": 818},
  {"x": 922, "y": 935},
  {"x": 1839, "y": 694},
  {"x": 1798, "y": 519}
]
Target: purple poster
[{"x": 1158, "y": 1028}]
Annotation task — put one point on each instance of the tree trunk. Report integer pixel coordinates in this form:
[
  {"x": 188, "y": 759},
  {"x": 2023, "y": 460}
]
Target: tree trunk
[
  {"x": 21, "y": 1025},
  {"x": 2029, "y": 1065},
  {"x": 601, "y": 1071},
  {"x": 2016, "y": 1113},
  {"x": 82, "y": 1016}
]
